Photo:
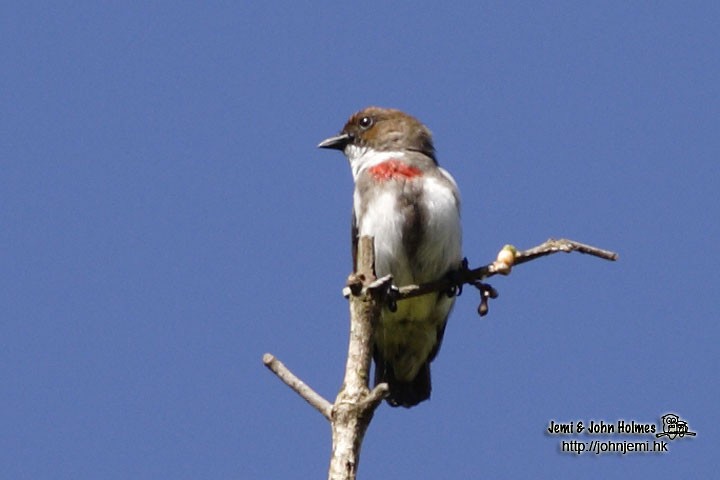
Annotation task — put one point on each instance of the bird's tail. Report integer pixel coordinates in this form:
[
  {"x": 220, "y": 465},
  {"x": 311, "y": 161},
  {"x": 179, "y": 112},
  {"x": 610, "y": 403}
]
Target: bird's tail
[{"x": 403, "y": 394}]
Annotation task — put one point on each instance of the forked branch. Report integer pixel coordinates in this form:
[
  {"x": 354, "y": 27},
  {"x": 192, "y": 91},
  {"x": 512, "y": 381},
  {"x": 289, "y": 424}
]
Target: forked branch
[{"x": 355, "y": 404}]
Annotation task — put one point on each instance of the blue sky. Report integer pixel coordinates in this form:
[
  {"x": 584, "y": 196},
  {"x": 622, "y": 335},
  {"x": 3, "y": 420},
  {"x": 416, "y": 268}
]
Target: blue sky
[{"x": 166, "y": 219}]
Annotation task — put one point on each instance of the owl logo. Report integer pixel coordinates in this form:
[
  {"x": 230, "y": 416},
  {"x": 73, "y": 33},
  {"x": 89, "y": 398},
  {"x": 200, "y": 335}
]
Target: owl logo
[{"x": 674, "y": 427}]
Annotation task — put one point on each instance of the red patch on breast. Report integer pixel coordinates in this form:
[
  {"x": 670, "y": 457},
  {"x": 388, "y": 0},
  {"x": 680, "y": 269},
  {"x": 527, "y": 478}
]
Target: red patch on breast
[{"x": 394, "y": 169}]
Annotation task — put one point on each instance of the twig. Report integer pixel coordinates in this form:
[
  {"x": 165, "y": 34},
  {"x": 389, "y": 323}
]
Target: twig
[
  {"x": 300, "y": 387},
  {"x": 563, "y": 245},
  {"x": 467, "y": 276}
]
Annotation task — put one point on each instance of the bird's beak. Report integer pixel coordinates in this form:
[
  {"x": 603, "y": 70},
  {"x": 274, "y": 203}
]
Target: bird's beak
[{"x": 338, "y": 142}]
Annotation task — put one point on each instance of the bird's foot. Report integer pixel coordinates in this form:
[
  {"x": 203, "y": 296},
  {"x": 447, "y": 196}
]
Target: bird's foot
[
  {"x": 391, "y": 297},
  {"x": 389, "y": 291},
  {"x": 457, "y": 278}
]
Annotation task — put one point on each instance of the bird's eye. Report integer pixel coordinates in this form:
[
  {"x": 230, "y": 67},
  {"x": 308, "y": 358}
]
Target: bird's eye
[{"x": 365, "y": 122}]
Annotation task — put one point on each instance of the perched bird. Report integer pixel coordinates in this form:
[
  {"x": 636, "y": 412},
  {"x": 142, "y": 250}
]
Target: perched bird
[{"x": 412, "y": 208}]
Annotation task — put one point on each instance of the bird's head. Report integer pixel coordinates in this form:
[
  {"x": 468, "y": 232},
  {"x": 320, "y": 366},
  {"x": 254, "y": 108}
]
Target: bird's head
[{"x": 381, "y": 130}]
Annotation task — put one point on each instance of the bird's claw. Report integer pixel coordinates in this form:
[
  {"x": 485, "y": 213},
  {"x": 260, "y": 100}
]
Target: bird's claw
[
  {"x": 391, "y": 296},
  {"x": 457, "y": 278}
]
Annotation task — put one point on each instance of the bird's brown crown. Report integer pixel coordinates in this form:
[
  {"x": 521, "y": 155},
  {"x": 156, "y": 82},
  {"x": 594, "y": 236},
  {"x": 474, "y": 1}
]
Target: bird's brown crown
[{"x": 386, "y": 129}]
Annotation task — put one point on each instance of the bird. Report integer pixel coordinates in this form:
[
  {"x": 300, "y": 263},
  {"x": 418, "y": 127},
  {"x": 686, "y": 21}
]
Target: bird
[{"x": 411, "y": 206}]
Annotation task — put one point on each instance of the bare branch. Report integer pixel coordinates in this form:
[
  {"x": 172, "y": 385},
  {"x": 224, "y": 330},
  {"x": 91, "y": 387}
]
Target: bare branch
[
  {"x": 563, "y": 245},
  {"x": 467, "y": 276},
  {"x": 355, "y": 404},
  {"x": 300, "y": 387}
]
